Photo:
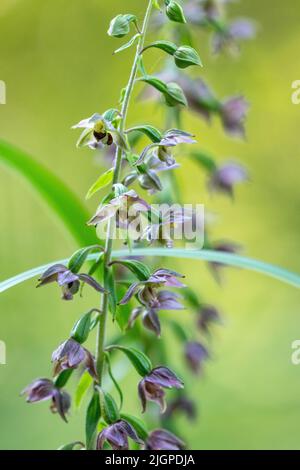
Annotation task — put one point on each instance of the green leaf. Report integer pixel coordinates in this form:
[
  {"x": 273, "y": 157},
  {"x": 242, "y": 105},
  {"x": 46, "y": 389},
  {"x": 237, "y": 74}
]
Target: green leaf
[
  {"x": 109, "y": 409},
  {"x": 205, "y": 255},
  {"x": 175, "y": 13},
  {"x": 139, "y": 269},
  {"x": 80, "y": 256},
  {"x": 62, "y": 379},
  {"x": 137, "y": 424},
  {"x": 139, "y": 360},
  {"x": 114, "y": 381},
  {"x": 155, "y": 82},
  {"x": 103, "y": 180},
  {"x": 186, "y": 56},
  {"x": 128, "y": 44},
  {"x": 92, "y": 418},
  {"x": 120, "y": 25},
  {"x": 112, "y": 115},
  {"x": 204, "y": 160},
  {"x": 166, "y": 46},
  {"x": 83, "y": 386},
  {"x": 53, "y": 191},
  {"x": 172, "y": 92},
  {"x": 150, "y": 131},
  {"x": 81, "y": 330},
  {"x": 72, "y": 446}
]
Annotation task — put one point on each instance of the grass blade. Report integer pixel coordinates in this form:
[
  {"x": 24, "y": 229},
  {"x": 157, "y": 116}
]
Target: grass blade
[
  {"x": 204, "y": 255},
  {"x": 58, "y": 196}
]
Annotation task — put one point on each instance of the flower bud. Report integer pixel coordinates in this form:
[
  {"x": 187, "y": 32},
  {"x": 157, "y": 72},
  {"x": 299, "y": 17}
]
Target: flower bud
[
  {"x": 175, "y": 13},
  {"x": 186, "y": 56}
]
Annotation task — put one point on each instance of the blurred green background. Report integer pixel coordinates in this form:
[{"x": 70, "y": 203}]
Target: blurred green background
[{"x": 57, "y": 63}]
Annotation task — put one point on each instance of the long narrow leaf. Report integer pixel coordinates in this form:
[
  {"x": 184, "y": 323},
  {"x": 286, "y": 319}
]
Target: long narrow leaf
[
  {"x": 204, "y": 255},
  {"x": 64, "y": 203}
]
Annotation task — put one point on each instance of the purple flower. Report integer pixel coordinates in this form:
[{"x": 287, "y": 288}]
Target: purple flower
[
  {"x": 144, "y": 289},
  {"x": 153, "y": 302},
  {"x": 67, "y": 280},
  {"x": 70, "y": 354},
  {"x": 233, "y": 114},
  {"x": 181, "y": 404},
  {"x": 238, "y": 30},
  {"x": 164, "y": 231},
  {"x": 117, "y": 435},
  {"x": 171, "y": 138},
  {"x": 206, "y": 316},
  {"x": 195, "y": 354},
  {"x": 160, "y": 439},
  {"x": 225, "y": 177},
  {"x": 124, "y": 207},
  {"x": 151, "y": 386},
  {"x": 44, "y": 389},
  {"x": 200, "y": 97}
]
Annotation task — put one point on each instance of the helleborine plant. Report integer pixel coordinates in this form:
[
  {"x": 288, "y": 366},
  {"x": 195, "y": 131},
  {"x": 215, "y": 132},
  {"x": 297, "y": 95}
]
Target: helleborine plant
[{"x": 135, "y": 293}]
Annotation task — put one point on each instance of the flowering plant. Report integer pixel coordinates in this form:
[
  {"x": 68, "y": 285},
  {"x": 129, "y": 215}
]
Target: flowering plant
[{"x": 133, "y": 292}]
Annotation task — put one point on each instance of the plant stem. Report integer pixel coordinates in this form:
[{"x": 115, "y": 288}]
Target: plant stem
[{"x": 100, "y": 355}]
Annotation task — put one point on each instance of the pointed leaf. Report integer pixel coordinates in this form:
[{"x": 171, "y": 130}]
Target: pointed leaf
[
  {"x": 113, "y": 379},
  {"x": 109, "y": 409},
  {"x": 103, "y": 180},
  {"x": 92, "y": 418},
  {"x": 139, "y": 360},
  {"x": 83, "y": 386},
  {"x": 139, "y": 269},
  {"x": 150, "y": 131},
  {"x": 166, "y": 46},
  {"x": 80, "y": 256},
  {"x": 128, "y": 44}
]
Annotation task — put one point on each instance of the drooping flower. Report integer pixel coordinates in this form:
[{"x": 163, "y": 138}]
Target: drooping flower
[
  {"x": 70, "y": 354},
  {"x": 44, "y": 389},
  {"x": 98, "y": 132},
  {"x": 207, "y": 315},
  {"x": 117, "y": 435},
  {"x": 151, "y": 386},
  {"x": 233, "y": 113},
  {"x": 200, "y": 97},
  {"x": 144, "y": 289},
  {"x": 181, "y": 404},
  {"x": 153, "y": 302},
  {"x": 67, "y": 280},
  {"x": 164, "y": 231},
  {"x": 124, "y": 208},
  {"x": 238, "y": 30},
  {"x": 195, "y": 354},
  {"x": 225, "y": 177},
  {"x": 163, "y": 148},
  {"x": 160, "y": 439}
]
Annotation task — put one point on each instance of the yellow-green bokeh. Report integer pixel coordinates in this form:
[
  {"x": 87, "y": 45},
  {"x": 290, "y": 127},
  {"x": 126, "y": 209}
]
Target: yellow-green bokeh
[{"x": 58, "y": 66}]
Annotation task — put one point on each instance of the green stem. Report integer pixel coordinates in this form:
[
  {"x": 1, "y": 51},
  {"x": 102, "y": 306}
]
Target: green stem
[{"x": 100, "y": 354}]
